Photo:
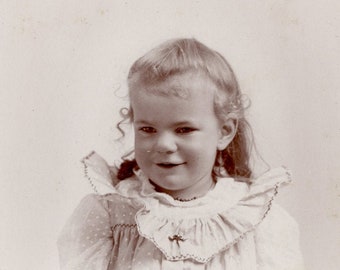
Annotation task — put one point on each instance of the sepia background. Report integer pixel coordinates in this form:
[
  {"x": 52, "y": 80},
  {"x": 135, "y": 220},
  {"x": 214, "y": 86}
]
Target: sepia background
[{"x": 62, "y": 82}]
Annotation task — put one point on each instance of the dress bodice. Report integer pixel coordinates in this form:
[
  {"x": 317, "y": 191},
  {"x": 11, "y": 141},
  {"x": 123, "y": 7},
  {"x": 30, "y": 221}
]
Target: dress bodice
[{"x": 234, "y": 226}]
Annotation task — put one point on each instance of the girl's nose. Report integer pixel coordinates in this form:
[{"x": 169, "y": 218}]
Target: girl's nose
[{"x": 165, "y": 143}]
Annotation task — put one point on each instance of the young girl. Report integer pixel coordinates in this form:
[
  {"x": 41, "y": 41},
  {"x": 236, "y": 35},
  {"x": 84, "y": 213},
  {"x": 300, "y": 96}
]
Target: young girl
[{"x": 187, "y": 198}]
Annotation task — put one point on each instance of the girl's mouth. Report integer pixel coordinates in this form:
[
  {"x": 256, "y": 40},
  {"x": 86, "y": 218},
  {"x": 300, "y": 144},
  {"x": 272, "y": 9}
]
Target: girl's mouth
[{"x": 168, "y": 165}]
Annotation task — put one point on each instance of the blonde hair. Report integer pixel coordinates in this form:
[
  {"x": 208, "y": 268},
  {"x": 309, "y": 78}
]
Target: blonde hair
[{"x": 179, "y": 56}]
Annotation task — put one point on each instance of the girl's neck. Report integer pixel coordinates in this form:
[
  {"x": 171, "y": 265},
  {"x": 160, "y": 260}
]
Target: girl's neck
[{"x": 190, "y": 193}]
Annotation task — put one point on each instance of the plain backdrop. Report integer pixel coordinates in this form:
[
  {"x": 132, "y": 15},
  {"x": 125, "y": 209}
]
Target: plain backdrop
[{"x": 62, "y": 82}]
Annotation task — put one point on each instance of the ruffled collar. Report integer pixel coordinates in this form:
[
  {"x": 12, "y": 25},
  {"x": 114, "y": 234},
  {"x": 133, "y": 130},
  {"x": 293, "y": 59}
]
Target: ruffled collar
[
  {"x": 213, "y": 199},
  {"x": 197, "y": 229}
]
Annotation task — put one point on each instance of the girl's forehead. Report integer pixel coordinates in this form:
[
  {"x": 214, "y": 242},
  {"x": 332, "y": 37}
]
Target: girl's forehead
[{"x": 179, "y": 99}]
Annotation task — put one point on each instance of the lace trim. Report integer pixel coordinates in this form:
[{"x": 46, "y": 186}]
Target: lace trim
[
  {"x": 99, "y": 174},
  {"x": 122, "y": 225},
  {"x": 86, "y": 171}
]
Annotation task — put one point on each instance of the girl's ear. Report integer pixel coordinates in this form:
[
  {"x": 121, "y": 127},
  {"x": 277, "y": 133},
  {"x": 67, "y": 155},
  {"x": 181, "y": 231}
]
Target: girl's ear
[{"x": 228, "y": 131}]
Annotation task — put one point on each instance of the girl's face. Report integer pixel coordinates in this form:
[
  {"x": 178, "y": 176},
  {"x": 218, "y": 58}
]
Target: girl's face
[{"x": 176, "y": 138}]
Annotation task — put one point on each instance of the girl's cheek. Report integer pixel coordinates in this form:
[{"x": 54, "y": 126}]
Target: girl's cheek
[{"x": 142, "y": 143}]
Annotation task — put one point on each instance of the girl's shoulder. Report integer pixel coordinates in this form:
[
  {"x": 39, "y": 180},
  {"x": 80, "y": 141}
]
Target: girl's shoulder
[
  {"x": 105, "y": 201},
  {"x": 278, "y": 223},
  {"x": 105, "y": 205},
  {"x": 277, "y": 236},
  {"x": 266, "y": 187},
  {"x": 277, "y": 241}
]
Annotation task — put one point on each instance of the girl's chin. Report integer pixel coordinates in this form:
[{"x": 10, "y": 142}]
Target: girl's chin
[{"x": 169, "y": 187}]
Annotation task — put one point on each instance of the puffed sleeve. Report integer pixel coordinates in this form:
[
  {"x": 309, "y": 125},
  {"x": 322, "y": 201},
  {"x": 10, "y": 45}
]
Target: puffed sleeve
[
  {"x": 277, "y": 242},
  {"x": 86, "y": 240}
]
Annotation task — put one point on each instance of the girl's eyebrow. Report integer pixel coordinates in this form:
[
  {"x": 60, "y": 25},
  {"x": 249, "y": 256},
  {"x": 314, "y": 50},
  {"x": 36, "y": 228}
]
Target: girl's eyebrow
[
  {"x": 142, "y": 122},
  {"x": 184, "y": 123}
]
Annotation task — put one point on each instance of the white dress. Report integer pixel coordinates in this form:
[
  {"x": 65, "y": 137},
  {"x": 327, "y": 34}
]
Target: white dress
[{"x": 234, "y": 226}]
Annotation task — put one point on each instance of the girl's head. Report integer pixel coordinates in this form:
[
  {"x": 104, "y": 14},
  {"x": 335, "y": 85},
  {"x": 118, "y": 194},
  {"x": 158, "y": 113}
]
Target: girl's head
[{"x": 188, "y": 116}]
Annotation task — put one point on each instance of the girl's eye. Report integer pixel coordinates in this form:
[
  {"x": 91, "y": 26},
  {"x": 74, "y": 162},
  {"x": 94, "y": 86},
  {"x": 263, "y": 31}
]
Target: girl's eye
[
  {"x": 185, "y": 130},
  {"x": 147, "y": 129}
]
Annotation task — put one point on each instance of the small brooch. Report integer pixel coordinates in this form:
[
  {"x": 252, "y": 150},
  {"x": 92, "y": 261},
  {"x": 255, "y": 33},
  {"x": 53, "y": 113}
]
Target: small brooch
[{"x": 177, "y": 238}]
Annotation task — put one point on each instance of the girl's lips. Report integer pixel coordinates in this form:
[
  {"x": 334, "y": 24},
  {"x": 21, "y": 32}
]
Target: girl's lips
[{"x": 168, "y": 165}]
